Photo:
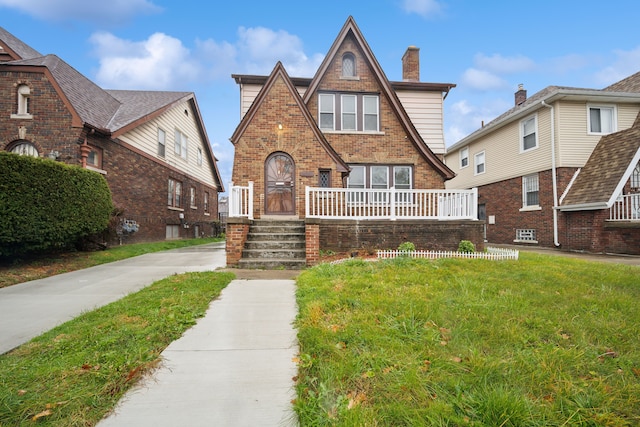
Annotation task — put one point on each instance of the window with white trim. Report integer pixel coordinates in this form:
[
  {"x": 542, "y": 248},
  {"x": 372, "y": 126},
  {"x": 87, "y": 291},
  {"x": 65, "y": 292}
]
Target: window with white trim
[
  {"x": 529, "y": 134},
  {"x": 349, "y": 113},
  {"x": 199, "y": 157},
  {"x": 326, "y": 111},
  {"x": 206, "y": 202},
  {"x": 464, "y": 157},
  {"x": 371, "y": 114},
  {"x": 478, "y": 161},
  {"x": 162, "y": 136},
  {"x": 601, "y": 119},
  {"x": 526, "y": 235},
  {"x": 24, "y": 92},
  {"x": 94, "y": 157},
  {"x": 181, "y": 143},
  {"x": 402, "y": 181},
  {"x": 530, "y": 190},
  {"x": 25, "y": 148},
  {"x": 192, "y": 197}
]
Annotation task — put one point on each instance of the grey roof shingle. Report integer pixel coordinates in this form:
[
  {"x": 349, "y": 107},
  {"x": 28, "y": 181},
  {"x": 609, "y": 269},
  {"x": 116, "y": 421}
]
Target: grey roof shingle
[
  {"x": 629, "y": 84},
  {"x": 598, "y": 179},
  {"x": 135, "y": 104},
  {"x": 20, "y": 48}
]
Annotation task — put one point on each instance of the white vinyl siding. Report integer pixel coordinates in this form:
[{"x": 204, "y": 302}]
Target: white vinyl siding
[
  {"x": 145, "y": 138},
  {"x": 425, "y": 109}
]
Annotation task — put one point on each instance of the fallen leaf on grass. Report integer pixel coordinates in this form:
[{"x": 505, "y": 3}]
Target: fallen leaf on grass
[
  {"x": 44, "y": 413},
  {"x": 22, "y": 392}
]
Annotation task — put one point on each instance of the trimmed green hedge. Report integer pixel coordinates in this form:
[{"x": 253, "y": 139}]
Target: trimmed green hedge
[{"x": 47, "y": 205}]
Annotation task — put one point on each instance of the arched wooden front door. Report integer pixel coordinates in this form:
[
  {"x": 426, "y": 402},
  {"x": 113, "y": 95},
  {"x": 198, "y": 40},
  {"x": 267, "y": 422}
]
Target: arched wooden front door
[{"x": 280, "y": 184}]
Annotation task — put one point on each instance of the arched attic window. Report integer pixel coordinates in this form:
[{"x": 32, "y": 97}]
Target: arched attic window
[{"x": 348, "y": 65}]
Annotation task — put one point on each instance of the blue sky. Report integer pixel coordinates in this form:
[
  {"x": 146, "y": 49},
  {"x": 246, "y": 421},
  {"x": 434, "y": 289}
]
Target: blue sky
[{"x": 486, "y": 48}]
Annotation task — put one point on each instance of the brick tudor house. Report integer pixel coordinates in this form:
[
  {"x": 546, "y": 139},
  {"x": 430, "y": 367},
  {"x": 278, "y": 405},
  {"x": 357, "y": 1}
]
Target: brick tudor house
[
  {"x": 560, "y": 169},
  {"x": 151, "y": 146},
  {"x": 349, "y": 156}
]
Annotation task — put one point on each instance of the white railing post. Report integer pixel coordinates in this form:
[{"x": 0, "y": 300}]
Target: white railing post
[
  {"x": 474, "y": 203},
  {"x": 306, "y": 201},
  {"x": 233, "y": 201},
  {"x": 250, "y": 204},
  {"x": 393, "y": 203}
]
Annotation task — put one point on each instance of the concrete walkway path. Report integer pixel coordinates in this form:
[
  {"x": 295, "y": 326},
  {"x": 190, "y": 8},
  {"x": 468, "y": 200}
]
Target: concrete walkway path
[
  {"x": 29, "y": 309},
  {"x": 233, "y": 368}
]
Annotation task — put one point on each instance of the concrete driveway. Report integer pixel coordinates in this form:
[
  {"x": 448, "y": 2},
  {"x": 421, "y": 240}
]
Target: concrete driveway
[{"x": 29, "y": 309}]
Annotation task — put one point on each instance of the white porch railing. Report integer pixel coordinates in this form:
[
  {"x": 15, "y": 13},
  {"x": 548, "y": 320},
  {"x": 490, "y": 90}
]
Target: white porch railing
[
  {"x": 392, "y": 204},
  {"x": 626, "y": 208},
  {"x": 241, "y": 201}
]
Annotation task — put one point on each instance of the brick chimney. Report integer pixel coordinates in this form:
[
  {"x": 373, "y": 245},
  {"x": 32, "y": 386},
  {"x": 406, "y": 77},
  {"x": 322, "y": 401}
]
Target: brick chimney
[
  {"x": 411, "y": 64},
  {"x": 520, "y": 95}
]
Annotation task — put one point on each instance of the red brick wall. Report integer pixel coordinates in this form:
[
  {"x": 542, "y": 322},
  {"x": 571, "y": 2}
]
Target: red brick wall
[
  {"x": 504, "y": 200},
  {"x": 138, "y": 182},
  {"x": 237, "y": 231},
  {"x": 591, "y": 232},
  {"x": 262, "y": 138},
  {"x": 312, "y": 243}
]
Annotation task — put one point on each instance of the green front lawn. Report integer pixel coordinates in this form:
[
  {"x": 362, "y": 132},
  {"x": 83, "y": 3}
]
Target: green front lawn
[{"x": 543, "y": 341}]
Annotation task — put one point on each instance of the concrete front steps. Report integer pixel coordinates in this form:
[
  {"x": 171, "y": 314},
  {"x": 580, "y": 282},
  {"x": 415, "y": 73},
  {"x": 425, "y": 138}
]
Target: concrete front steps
[{"x": 275, "y": 244}]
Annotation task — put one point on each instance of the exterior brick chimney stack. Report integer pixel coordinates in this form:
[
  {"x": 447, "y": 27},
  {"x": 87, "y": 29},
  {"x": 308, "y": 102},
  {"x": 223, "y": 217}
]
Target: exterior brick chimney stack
[
  {"x": 521, "y": 95},
  {"x": 411, "y": 65}
]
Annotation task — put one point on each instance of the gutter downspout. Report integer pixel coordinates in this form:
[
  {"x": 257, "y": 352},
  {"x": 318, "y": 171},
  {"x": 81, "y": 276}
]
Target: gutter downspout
[{"x": 553, "y": 173}]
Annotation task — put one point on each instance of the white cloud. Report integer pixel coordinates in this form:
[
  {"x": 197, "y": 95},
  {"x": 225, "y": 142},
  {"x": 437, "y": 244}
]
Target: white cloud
[
  {"x": 160, "y": 62},
  {"x": 626, "y": 63},
  {"x": 499, "y": 64},
  {"x": 261, "y": 48},
  {"x": 482, "y": 80},
  {"x": 424, "y": 8},
  {"x": 164, "y": 62},
  {"x": 109, "y": 12}
]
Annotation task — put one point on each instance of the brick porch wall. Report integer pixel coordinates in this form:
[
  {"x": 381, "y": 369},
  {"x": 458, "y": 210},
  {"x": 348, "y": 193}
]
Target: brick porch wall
[
  {"x": 236, "y": 236},
  {"x": 591, "y": 232}
]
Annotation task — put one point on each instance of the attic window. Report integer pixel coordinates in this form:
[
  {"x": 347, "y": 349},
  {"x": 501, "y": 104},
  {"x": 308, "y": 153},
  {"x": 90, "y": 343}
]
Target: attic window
[
  {"x": 25, "y": 148},
  {"x": 635, "y": 177},
  {"x": 348, "y": 65}
]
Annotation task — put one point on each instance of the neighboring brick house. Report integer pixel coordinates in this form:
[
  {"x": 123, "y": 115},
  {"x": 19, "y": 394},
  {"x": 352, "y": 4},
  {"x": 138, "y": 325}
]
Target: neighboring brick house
[
  {"x": 347, "y": 127},
  {"x": 524, "y": 162},
  {"x": 151, "y": 146}
]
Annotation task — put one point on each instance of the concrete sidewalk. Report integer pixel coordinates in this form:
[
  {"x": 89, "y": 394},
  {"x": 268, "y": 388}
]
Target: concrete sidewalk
[
  {"x": 233, "y": 368},
  {"x": 29, "y": 309}
]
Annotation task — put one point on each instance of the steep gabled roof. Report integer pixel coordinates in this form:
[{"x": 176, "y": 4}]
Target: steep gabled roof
[
  {"x": 609, "y": 167},
  {"x": 136, "y": 105},
  {"x": 14, "y": 48},
  {"x": 351, "y": 29},
  {"x": 280, "y": 73},
  {"x": 629, "y": 84}
]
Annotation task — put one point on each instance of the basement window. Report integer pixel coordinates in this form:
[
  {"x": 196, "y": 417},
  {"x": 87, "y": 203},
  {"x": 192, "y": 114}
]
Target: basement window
[{"x": 526, "y": 235}]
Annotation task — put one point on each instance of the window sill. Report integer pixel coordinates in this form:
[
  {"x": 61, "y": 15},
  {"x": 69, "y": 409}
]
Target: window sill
[
  {"x": 534, "y": 242},
  {"x": 207, "y": 214},
  {"x": 22, "y": 116},
  {"x": 193, "y": 207},
  {"x": 530, "y": 208},
  {"x": 173, "y": 208},
  {"x": 95, "y": 169},
  {"x": 350, "y": 78},
  {"x": 352, "y": 132}
]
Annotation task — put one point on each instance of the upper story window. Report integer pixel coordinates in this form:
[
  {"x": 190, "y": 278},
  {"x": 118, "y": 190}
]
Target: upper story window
[
  {"x": 350, "y": 112},
  {"x": 479, "y": 160},
  {"x": 464, "y": 157},
  {"x": 602, "y": 119},
  {"x": 206, "y": 202},
  {"x": 25, "y": 148},
  {"x": 635, "y": 177},
  {"x": 348, "y": 65},
  {"x": 530, "y": 190},
  {"x": 162, "y": 136},
  {"x": 326, "y": 109},
  {"x": 199, "y": 158},
  {"x": 24, "y": 94},
  {"x": 180, "y": 144},
  {"x": 529, "y": 134}
]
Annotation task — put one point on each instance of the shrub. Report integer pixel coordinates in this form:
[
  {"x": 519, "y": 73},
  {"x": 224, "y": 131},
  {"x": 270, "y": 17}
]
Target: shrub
[
  {"x": 466, "y": 246},
  {"x": 47, "y": 205},
  {"x": 406, "y": 247}
]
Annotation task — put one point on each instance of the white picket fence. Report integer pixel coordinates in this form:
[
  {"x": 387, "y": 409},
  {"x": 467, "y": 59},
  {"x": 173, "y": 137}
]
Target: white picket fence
[{"x": 495, "y": 254}]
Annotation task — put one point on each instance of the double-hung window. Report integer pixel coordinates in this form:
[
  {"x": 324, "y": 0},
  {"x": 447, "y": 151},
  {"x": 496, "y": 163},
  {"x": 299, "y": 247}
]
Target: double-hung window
[
  {"x": 370, "y": 107},
  {"x": 357, "y": 179},
  {"x": 206, "y": 202},
  {"x": 180, "y": 144},
  {"x": 174, "y": 198},
  {"x": 479, "y": 160},
  {"x": 529, "y": 134},
  {"x": 379, "y": 181},
  {"x": 530, "y": 191},
  {"x": 349, "y": 113},
  {"x": 464, "y": 157},
  {"x": 402, "y": 181},
  {"x": 192, "y": 197},
  {"x": 602, "y": 119},
  {"x": 326, "y": 109}
]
